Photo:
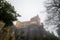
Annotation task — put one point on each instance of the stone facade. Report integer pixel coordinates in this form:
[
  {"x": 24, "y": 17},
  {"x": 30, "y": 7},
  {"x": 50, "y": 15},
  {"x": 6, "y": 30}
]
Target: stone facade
[
  {"x": 1, "y": 24},
  {"x": 34, "y": 20}
]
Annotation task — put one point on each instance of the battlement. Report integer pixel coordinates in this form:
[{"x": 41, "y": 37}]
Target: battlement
[{"x": 34, "y": 20}]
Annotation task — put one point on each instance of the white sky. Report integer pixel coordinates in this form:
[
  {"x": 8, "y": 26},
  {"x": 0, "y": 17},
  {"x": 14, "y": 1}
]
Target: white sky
[{"x": 29, "y": 8}]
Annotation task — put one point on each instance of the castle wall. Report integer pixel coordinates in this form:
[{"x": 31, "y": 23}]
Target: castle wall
[
  {"x": 34, "y": 20},
  {"x": 2, "y": 24},
  {"x": 18, "y": 24}
]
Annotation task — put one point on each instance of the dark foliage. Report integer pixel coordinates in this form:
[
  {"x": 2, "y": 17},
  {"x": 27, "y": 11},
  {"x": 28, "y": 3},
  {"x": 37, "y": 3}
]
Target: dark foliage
[{"x": 7, "y": 13}]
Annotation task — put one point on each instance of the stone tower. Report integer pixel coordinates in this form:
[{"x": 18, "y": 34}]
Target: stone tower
[{"x": 36, "y": 19}]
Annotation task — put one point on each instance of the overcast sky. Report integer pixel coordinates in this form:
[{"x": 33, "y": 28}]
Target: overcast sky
[{"x": 29, "y": 8}]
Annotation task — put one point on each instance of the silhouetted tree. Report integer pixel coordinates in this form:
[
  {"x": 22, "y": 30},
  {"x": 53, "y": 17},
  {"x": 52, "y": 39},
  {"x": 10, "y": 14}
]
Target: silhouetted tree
[
  {"x": 35, "y": 38},
  {"x": 50, "y": 37}
]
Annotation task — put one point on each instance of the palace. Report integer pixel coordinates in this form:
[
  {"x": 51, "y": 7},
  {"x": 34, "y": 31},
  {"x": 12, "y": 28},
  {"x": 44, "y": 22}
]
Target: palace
[{"x": 34, "y": 20}]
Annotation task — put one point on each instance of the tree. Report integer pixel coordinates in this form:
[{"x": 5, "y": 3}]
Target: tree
[
  {"x": 35, "y": 37},
  {"x": 53, "y": 11},
  {"x": 7, "y": 13},
  {"x": 7, "y": 16}
]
